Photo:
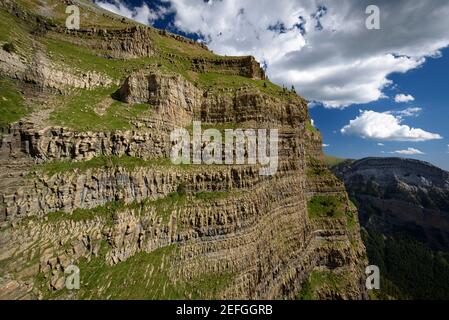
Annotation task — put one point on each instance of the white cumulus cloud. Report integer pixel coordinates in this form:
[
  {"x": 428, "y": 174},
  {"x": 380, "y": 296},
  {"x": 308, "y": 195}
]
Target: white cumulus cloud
[
  {"x": 409, "y": 112},
  {"x": 142, "y": 14},
  {"x": 325, "y": 145},
  {"x": 385, "y": 126},
  {"x": 404, "y": 98},
  {"x": 409, "y": 151},
  {"x": 321, "y": 47}
]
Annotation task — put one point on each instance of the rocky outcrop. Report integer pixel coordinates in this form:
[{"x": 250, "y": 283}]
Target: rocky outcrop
[
  {"x": 174, "y": 97},
  {"x": 128, "y": 43},
  {"x": 239, "y": 66},
  {"x": 45, "y": 74},
  {"x": 58, "y": 143}
]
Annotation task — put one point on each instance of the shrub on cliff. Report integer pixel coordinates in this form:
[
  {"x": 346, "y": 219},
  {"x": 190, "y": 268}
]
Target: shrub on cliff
[{"x": 9, "y": 47}]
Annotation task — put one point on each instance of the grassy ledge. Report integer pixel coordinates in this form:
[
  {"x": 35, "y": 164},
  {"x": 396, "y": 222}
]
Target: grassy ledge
[
  {"x": 79, "y": 111},
  {"x": 320, "y": 279},
  {"x": 326, "y": 207},
  {"x": 12, "y": 104}
]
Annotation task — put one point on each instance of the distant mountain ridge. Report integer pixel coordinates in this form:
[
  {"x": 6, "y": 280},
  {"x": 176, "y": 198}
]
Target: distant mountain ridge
[
  {"x": 410, "y": 194},
  {"x": 403, "y": 207}
]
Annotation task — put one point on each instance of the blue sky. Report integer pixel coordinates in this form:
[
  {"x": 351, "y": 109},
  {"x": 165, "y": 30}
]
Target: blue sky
[
  {"x": 429, "y": 86},
  {"x": 351, "y": 74}
]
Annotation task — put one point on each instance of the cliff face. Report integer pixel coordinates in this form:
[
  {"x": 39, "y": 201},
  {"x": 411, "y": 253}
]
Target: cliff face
[
  {"x": 401, "y": 193},
  {"x": 87, "y": 178},
  {"x": 404, "y": 211}
]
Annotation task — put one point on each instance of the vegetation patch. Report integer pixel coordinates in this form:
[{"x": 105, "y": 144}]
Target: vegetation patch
[
  {"x": 311, "y": 128},
  {"x": 143, "y": 276},
  {"x": 219, "y": 80},
  {"x": 55, "y": 167},
  {"x": 164, "y": 206},
  {"x": 106, "y": 211},
  {"x": 86, "y": 59},
  {"x": 320, "y": 279},
  {"x": 14, "y": 33},
  {"x": 12, "y": 104},
  {"x": 169, "y": 45},
  {"x": 9, "y": 47},
  {"x": 326, "y": 206},
  {"x": 78, "y": 111},
  {"x": 409, "y": 269},
  {"x": 318, "y": 171}
]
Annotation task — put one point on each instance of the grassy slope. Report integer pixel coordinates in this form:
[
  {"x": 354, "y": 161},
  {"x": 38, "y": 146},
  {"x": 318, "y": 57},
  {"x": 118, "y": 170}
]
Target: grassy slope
[
  {"x": 12, "y": 105},
  {"x": 330, "y": 206},
  {"x": 16, "y": 32},
  {"x": 320, "y": 279},
  {"x": 326, "y": 206},
  {"x": 143, "y": 276},
  {"x": 76, "y": 110}
]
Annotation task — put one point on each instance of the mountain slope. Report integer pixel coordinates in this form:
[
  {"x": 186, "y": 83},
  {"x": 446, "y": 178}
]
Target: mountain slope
[
  {"x": 88, "y": 180},
  {"x": 404, "y": 206}
]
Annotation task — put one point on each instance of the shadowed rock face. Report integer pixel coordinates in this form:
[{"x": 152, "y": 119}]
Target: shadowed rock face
[{"x": 395, "y": 194}]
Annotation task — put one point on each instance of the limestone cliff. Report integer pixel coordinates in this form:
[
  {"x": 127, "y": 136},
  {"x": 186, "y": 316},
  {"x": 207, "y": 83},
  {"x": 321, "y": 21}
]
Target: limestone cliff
[{"x": 87, "y": 179}]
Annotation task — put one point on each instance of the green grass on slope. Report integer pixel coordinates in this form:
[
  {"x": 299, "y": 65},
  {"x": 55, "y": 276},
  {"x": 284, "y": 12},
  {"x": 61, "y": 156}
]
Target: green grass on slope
[
  {"x": 326, "y": 206},
  {"x": 85, "y": 59},
  {"x": 145, "y": 276},
  {"x": 213, "y": 80},
  {"x": 164, "y": 206},
  {"x": 15, "y": 32},
  {"x": 318, "y": 171},
  {"x": 106, "y": 211},
  {"x": 170, "y": 45},
  {"x": 53, "y": 167},
  {"x": 311, "y": 128},
  {"x": 319, "y": 279},
  {"x": 78, "y": 111},
  {"x": 330, "y": 206},
  {"x": 212, "y": 195},
  {"x": 12, "y": 106},
  {"x": 91, "y": 15}
]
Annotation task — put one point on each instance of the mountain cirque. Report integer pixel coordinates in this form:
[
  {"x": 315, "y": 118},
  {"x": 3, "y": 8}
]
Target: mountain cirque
[{"x": 87, "y": 179}]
